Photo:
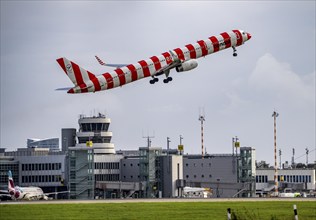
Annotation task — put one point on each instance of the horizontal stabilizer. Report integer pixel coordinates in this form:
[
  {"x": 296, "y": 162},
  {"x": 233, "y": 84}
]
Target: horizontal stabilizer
[
  {"x": 63, "y": 89},
  {"x": 108, "y": 64}
]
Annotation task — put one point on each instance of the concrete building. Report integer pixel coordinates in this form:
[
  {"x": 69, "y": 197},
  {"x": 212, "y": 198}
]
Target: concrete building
[
  {"x": 51, "y": 143},
  {"x": 295, "y": 180},
  {"x": 90, "y": 168},
  {"x": 34, "y": 167},
  {"x": 226, "y": 174}
]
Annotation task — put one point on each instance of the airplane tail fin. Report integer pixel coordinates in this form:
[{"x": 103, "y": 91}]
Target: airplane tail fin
[
  {"x": 10, "y": 181},
  {"x": 76, "y": 74}
]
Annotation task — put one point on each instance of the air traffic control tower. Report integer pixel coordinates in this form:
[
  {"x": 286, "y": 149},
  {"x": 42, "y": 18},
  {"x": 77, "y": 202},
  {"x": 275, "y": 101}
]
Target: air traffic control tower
[{"x": 93, "y": 132}]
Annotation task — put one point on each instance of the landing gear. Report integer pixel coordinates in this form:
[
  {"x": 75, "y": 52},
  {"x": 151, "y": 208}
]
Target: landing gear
[
  {"x": 234, "y": 54},
  {"x": 153, "y": 81},
  {"x": 167, "y": 79}
]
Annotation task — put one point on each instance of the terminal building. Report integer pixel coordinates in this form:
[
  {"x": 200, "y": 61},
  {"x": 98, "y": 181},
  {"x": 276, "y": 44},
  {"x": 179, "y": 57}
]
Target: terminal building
[{"x": 90, "y": 168}]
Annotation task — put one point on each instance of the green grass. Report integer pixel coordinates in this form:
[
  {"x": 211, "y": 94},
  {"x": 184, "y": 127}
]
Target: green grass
[{"x": 165, "y": 210}]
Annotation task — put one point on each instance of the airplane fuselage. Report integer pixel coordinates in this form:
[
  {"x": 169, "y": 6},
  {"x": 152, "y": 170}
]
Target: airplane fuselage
[
  {"x": 27, "y": 193},
  {"x": 182, "y": 59}
]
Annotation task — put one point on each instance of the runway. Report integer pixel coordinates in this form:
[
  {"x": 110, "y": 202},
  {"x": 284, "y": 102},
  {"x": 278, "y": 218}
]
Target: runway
[{"x": 158, "y": 200}]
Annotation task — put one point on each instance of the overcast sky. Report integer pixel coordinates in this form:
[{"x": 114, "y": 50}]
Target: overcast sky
[{"x": 275, "y": 70}]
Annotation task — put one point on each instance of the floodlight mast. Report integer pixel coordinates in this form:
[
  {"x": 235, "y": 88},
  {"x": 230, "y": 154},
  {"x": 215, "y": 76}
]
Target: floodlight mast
[
  {"x": 202, "y": 118},
  {"x": 275, "y": 115}
]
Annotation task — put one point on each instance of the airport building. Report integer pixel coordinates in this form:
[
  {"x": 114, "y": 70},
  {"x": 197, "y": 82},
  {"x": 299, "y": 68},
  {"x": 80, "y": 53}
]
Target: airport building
[
  {"x": 290, "y": 180},
  {"x": 90, "y": 168},
  {"x": 51, "y": 143}
]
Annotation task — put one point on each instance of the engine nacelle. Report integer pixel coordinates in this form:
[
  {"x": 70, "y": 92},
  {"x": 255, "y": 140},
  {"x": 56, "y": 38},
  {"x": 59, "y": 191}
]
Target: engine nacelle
[{"x": 187, "y": 65}]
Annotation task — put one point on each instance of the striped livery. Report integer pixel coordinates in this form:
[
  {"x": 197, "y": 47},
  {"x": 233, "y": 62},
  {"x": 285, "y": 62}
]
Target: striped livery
[{"x": 183, "y": 59}]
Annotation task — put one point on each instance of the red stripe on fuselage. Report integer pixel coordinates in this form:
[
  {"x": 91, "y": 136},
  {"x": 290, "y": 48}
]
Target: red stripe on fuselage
[
  {"x": 238, "y": 36},
  {"x": 203, "y": 47},
  {"x": 78, "y": 75},
  {"x": 191, "y": 50},
  {"x": 132, "y": 68},
  {"x": 215, "y": 43},
  {"x": 227, "y": 40},
  {"x": 156, "y": 62},
  {"x": 179, "y": 53},
  {"x": 109, "y": 80},
  {"x": 121, "y": 76},
  {"x": 167, "y": 57},
  {"x": 95, "y": 81},
  {"x": 144, "y": 67}
]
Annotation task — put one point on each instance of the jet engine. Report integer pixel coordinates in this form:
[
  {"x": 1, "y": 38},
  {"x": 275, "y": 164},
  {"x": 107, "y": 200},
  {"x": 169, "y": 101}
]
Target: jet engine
[
  {"x": 187, "y": 65},
  {"x": 14, "y": 194}
]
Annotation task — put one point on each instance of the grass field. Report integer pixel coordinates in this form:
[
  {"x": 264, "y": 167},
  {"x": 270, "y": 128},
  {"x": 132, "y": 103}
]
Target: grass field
[{"x": 164, "y": 210}]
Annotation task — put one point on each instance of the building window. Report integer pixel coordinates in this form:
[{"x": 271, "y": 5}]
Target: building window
[
  {"x": 202, "y": 176},
  {"x": 187, "y": 176}
]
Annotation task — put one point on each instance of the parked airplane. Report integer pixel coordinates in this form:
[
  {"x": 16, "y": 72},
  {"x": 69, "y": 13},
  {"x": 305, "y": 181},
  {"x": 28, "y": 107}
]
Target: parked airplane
[
  {"x": 25, "y": 193},
  {"x": 182, "y": 59}
]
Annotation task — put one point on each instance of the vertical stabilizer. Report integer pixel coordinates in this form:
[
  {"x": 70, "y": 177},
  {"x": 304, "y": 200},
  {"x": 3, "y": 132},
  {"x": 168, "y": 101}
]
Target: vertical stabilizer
[
  {"x": 10, "y": 181},
  {"x": 76, "y": 74}
]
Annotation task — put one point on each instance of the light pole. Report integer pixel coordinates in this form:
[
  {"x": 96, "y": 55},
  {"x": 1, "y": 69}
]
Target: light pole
[{"x": 275, "y": 115}]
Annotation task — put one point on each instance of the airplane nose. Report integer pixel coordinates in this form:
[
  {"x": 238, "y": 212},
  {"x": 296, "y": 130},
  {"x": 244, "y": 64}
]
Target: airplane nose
[{"x": 249, "y": 36}]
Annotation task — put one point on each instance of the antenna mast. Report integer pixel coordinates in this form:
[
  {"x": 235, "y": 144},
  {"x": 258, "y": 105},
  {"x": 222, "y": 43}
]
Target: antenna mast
[{"x": 149, "y": 140}]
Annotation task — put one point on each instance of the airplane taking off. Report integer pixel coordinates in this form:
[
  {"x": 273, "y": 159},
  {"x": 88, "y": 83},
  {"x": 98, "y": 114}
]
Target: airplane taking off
[
  {"x": 25, "y": 193},
  {"x": 182, "y": 59}
]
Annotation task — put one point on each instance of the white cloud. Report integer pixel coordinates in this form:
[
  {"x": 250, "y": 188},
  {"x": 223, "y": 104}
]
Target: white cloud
[{"x": 278, "y": 80}]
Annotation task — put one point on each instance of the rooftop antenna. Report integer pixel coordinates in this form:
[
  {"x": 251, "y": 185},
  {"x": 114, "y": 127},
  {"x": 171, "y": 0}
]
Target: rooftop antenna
[
  {"x": 202, "y": 119},
  {"x": 149, "y": 139},
  {"x": 275, "y": 115}
]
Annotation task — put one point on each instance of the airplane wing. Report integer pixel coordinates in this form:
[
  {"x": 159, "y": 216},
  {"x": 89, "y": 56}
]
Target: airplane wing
[
  {"x": 55, "y": 193},
  {"x": 108, "y": 64},
  {"x": 4, "y": 193},
  {"x": 166, "y": 70}
]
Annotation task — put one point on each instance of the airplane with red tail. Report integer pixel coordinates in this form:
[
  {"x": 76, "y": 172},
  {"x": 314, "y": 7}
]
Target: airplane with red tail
[
  {"x": 182, "y": 59},
  {"x": 25, "y": 193}
]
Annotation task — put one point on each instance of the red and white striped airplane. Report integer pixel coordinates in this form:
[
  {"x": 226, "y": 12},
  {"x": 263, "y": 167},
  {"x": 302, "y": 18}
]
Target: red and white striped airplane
[{"x": 182, "y": 59}]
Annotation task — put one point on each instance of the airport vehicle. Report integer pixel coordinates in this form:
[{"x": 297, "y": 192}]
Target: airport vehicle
[
  {"x": 197, "y": 192},
  {"x": 25, "y": 193},
  {"x": 182, "y": 59}
]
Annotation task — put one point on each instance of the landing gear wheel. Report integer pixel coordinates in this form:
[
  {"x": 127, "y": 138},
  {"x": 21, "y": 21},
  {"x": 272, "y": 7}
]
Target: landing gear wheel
[
  {"x": 234, "y": 50},
  {"x": 156, "y": 79},
  {"x": 165, "y": 80},
  {"x": 169, "y": 79},
  {"x": 152, "y": 81}
]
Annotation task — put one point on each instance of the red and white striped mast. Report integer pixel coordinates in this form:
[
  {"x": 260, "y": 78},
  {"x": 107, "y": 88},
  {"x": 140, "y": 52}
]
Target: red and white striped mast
[
  {"x": 202, "y": 118},
  {"x": 275, "y": 115}
]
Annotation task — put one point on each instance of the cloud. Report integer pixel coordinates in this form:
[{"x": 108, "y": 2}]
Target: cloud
[{"x": 278, "y": 80}]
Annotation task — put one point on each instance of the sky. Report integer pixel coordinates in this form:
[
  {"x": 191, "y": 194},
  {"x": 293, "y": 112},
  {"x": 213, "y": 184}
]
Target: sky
[{"x": 274, "y": 71}]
